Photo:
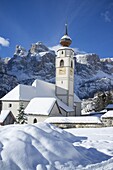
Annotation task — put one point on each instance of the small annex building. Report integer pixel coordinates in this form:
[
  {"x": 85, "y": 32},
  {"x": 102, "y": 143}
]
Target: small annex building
[
  {"x": 107, "y": 118},
  {"x": 40, "y": 108}
]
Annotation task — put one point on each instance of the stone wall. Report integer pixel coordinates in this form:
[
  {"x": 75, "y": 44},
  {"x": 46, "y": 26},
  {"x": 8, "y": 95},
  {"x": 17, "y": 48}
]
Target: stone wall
[
  {"x": 78, "y": 125},
  {"x": 107, "y": 121}
]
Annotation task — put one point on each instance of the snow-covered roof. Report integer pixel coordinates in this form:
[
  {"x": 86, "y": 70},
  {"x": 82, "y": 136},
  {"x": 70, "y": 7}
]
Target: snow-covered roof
[
  {"x": 64, "y": 106},
  {"x": 44, "y": 89},
  {"x": 66, "y": 37},
  {"x": 40, "y": 106},
  {"x": 38, "y": 89},
  {"x": 108, "y": 114},
  {"x": 81, "y": 119},
  {"x": 109, "y": 106},
  {"x": 3, "y": 115},
  {"x": 20, "y": 92}
]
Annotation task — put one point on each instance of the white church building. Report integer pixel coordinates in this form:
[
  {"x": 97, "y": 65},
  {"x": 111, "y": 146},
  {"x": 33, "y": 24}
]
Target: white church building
[{"x": 42, "y": 99}]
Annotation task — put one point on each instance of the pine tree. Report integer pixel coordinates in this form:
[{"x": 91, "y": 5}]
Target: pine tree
[{"x": 21, "y": 118}]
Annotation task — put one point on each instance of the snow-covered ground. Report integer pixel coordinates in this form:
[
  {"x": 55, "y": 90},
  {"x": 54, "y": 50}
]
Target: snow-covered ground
[{"x": 45, "y": 147}]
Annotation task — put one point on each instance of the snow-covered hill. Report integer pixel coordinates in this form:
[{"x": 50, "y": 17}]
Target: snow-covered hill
[
  {"x": 92, "y": 74},
  {"x": 46, "y": 147}
]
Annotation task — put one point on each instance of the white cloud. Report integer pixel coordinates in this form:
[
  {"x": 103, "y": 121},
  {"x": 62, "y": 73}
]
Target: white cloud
[
  {"x": 106, "y": 16},
  {"x": 4, "y": 42},
  {"x": 55, "y": 48}
]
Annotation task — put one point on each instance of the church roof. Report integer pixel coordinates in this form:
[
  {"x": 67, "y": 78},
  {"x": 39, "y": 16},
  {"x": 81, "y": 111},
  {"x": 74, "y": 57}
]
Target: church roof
[
  {"x": 38, "y": 89},
  {"x": 40, "y": 106},
  {"x": 44, "y": 89},
  {"x": 64, "y": 106},
  {"x": 20, "y": 92}
]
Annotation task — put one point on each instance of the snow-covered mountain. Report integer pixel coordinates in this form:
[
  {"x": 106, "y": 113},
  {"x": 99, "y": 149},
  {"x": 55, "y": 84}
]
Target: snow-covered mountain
[{"x": 92, "y": 74}]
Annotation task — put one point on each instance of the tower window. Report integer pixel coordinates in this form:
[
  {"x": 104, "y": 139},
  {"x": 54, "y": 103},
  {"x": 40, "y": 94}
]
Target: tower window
[
  {"x": 10, "y": 105},
  {"x": 62, "y": 52},
  {"x": 35, "y": 120},
  {"x": 71, "y": 64},
  {"x": 61, "y": 63}
]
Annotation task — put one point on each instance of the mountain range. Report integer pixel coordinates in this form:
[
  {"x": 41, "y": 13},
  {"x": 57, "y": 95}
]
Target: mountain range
[{"x": 92, "y": 74}]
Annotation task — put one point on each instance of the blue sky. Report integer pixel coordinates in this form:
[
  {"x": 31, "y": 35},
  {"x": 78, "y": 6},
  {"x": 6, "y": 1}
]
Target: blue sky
[{"x": 90, "y": 24}]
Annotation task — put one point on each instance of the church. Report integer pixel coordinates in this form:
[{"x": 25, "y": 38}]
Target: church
[{"x": 42, "y": 99}]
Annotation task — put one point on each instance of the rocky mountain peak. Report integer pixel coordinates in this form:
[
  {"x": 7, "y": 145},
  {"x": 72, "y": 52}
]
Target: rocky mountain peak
[
  {"x": 87, "y": 59},
  {"x": 38, "y": 47},
  {"x": 20, "y": 51}
]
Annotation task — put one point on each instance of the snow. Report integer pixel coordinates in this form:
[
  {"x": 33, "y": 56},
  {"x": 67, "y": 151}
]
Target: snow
[
  {"x": 81, "y": 119},
  {"x": 40, "y": 106},
  {"x": 109, "y": 106},
  {"x": 45, "y": 147},
  {"x": 3, "y": 115},
  {"x": 97, "y": 140},
  {"x": 64, "y": 106},
  {"x": 66, "y": 37},
  {"x": 108, "y": 114},
  {"x": 44, "y": 89},
  {"x": 20, "y": 92}
]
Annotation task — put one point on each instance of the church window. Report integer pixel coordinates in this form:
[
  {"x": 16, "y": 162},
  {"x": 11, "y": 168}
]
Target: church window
[
  {"x": 35, "y": 120},
  {"x": 62, "y": 52},
  {"x": 10, "y": 105},
  {"x": 61, "y": 63},
  {"x": 71, "y": 64}
]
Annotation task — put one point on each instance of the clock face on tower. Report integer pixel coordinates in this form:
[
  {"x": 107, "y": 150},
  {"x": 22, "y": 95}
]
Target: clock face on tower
[{"x": 62, "y": 71}]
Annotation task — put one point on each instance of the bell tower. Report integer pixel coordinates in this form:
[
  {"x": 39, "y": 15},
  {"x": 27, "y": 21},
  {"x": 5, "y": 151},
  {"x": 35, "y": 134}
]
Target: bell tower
[{"x": 65, "y": 71}]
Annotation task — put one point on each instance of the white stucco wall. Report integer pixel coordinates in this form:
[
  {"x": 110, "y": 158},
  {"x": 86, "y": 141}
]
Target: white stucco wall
[
  {"x": 38, "y": 118},
  {"x": 14, "y": 106}
]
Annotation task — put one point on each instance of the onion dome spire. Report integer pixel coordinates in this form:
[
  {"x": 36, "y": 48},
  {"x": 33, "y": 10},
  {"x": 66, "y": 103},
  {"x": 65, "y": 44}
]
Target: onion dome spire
[{"x": 65, "y": 40}]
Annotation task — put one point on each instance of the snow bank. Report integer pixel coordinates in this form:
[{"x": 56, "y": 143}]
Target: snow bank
[
  {"x": 44, "y": 147},
  {"x": 78, "y": 119}
]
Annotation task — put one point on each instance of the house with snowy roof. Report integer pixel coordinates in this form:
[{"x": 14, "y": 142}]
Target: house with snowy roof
[
  {"x": 43, "y": 99},
  {"x": 107, "y": 118}
]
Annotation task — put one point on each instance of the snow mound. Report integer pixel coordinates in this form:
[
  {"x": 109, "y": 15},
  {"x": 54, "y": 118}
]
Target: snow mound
[{"x": 43, "y": 147}]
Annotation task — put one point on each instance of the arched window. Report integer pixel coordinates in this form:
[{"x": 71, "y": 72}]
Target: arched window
[
  {"x": 61, "y": 63},
  {"x": 35, "y": 120},
  {"x": 62, "y": 52},
  {"x": 71, "y": 64}
]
